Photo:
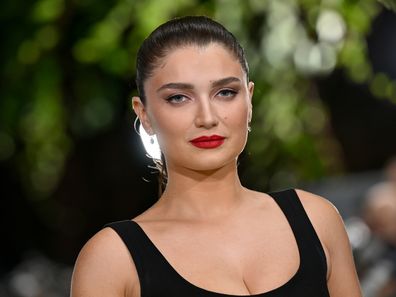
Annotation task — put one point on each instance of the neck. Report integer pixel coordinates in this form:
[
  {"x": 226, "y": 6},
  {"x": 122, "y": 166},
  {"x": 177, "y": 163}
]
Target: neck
[{"x": 203, "y": 194}]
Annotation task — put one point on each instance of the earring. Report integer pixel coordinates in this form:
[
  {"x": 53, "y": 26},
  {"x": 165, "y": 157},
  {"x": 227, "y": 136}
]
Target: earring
[
  {"x": 249, "y": 128},
  {"x": 151, "y": 139},
  {"x": 136, "y": 125}
]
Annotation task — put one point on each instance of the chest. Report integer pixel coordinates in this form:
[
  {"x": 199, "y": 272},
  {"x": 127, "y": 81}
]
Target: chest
[{"x": 243, "y": 259}]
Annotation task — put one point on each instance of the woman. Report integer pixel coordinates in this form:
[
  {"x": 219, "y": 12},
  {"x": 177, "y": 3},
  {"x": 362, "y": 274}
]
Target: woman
[{"x": 208, "y": 235}]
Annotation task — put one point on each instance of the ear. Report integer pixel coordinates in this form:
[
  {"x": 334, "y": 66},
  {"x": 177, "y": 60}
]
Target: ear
[
  {"x": 141, "y": 112},
  {"x": 251, "y": 91}
]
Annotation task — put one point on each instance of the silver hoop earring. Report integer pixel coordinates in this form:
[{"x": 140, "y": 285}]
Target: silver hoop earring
[{"x": 135, "y": 125}]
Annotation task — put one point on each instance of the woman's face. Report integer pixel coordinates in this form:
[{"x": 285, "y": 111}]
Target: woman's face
[{"x": 198, "y": 103}]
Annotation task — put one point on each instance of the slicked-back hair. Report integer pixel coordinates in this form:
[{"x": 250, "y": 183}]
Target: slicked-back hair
[{"x": 179, "y": 32}]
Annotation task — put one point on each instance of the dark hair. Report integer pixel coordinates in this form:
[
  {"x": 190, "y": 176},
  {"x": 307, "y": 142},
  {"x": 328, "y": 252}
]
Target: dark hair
[{"x": 188, "y": 30}]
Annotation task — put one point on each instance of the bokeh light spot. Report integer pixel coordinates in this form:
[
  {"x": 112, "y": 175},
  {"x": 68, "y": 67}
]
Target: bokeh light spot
[{"x": 330, "y": 26}]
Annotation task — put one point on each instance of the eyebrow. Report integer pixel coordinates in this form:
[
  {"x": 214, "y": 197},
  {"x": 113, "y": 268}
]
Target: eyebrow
[
  {"x": 225, "y": 81},
  {"x": 187, "y": 86}
]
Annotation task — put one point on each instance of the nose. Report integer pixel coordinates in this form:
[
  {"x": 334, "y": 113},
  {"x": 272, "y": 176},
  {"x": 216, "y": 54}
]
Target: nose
[{"x": 206, "y": 116}]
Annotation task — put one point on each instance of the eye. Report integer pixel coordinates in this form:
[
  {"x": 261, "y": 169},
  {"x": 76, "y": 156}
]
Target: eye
[
  {"x": 227, "y": 93},
  {"x": 176, "y": 99}
]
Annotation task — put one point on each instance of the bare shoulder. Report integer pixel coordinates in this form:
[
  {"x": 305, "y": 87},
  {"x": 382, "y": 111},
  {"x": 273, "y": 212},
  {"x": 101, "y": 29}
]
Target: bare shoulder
[
  {"x": 342, "y": 279},
  {"x": 324, "y": 216},
  {"x": 320, "y": 210},
  {"x": 104, "y": 267},
  {"x": 315, "y": 202}
]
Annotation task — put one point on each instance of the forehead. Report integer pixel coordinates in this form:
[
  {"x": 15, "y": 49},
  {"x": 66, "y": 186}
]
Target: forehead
[{"x": 197, "y": 64}]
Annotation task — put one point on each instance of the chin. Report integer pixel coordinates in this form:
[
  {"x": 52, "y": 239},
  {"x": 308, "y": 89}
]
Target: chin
[
  {"x": 210, "y": 165},
  {"x": 207, "y": 160}
]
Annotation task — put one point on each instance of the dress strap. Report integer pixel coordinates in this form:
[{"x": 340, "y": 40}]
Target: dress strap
[
  {"x": 310, "y": 247},
  {"x": 134, "y": 240}
]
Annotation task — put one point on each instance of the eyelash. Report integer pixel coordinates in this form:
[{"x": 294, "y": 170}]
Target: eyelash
[
  {"x": 231, "y": 93},
  {"x": 172, "y": 99},
  {"x": 179, "y": 98}
]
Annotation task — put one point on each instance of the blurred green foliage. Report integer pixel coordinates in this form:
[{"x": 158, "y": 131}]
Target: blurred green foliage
[{"x": 66, "y": 65}]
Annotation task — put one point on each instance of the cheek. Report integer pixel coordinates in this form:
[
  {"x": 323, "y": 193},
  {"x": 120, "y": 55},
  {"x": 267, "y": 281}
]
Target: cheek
[
  {"x": 236, "y": 116},
  {"x": 168, "y": 127}
]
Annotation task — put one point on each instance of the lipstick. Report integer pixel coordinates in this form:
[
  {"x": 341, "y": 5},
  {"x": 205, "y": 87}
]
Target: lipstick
[{"x": 208, "y": 142}]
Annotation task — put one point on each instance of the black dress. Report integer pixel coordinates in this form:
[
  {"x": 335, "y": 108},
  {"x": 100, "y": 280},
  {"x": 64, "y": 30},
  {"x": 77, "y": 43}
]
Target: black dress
[{"x": 159, "y": 279}]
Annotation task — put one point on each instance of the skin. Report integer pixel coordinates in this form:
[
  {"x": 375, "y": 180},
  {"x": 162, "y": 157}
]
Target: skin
[{"x": 204, "y": 196}]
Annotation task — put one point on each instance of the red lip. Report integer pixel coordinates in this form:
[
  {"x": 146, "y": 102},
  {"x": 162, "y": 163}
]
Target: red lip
[{"x": 208, "y": 142}]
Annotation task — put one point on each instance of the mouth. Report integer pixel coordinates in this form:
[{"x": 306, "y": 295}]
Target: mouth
[{"x": 208, "y": 142}]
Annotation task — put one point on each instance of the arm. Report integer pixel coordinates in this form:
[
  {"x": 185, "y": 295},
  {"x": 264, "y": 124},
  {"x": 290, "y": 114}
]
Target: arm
[
  {"x": 342, "y": 279},
  {"x": 104, "y": 267}
]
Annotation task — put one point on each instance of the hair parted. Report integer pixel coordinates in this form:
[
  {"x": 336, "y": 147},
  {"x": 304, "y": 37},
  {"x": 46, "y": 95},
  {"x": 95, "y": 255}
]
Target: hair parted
[{"x": 178, "y": 32}]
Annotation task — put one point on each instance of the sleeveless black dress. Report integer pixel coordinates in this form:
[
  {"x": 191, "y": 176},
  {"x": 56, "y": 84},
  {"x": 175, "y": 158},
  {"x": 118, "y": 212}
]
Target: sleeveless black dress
[{"x": 159, "y": 279}]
